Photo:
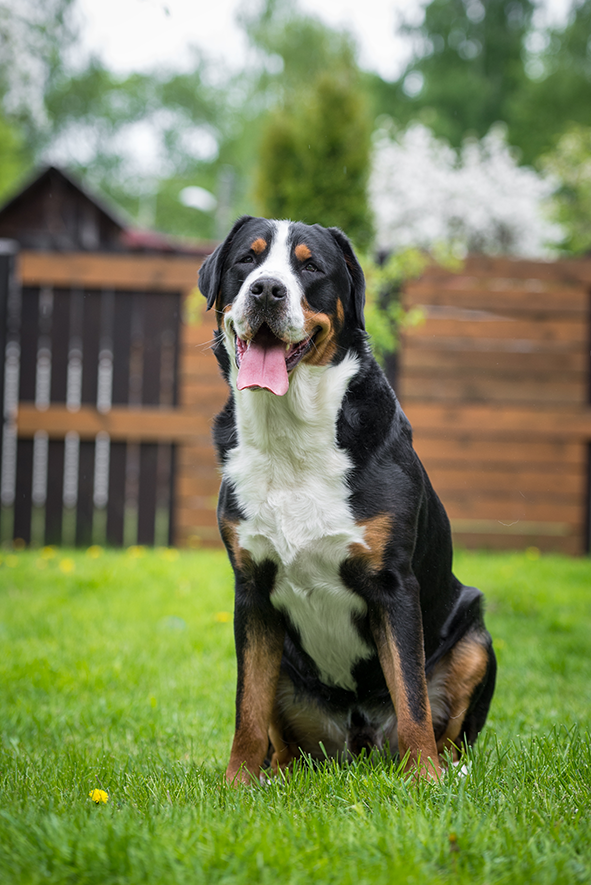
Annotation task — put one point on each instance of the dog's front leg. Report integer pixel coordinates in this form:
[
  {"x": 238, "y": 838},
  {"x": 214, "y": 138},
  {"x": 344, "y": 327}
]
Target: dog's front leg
[
  {"x": 259, "y": 648},
  {"x": 398, "y": 633}
]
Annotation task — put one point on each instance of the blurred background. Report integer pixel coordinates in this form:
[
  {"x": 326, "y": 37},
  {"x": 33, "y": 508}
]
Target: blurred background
[
  {"x": 450, "y": 139},
  {"x": 187, "y": 114}
]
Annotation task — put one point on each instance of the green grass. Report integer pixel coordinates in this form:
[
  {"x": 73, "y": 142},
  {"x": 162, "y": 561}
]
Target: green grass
[{"x": 117, "y": 673}]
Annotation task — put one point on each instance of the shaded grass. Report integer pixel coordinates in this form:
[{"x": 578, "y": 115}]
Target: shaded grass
[{"x": 118, "y": 672}]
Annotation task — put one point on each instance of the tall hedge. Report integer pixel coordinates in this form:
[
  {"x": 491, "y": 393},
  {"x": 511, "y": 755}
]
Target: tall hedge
[{"x": 314, "y": 157}]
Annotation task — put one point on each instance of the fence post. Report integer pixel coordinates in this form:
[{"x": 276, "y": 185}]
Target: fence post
[{"x": 8, "y": 282}]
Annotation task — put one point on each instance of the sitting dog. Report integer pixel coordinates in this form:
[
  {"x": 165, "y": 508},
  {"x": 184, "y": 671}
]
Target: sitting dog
[{"x": 352, "y": 633}]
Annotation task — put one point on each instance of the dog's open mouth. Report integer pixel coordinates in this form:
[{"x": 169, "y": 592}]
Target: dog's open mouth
[{"x": 265, "y": 360}]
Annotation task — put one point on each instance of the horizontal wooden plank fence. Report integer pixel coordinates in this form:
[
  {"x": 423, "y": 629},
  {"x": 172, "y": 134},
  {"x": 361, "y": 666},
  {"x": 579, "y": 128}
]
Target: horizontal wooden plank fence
[
  {"x": 496, "y": 383},
  {"x": 108, "y": 401}
]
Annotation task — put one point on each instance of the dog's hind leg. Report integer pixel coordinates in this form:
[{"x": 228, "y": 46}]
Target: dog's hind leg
[{"x": 467, "y": 675}]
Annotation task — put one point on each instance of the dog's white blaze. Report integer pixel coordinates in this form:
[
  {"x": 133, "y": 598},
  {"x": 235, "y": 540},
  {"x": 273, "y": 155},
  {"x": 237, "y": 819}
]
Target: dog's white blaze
[
  {"x": 277, "y": 264},
  {"x": 290, "y": 478}
]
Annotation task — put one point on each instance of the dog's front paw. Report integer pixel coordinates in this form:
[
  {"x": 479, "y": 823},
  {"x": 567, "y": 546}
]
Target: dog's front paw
[{"x": 241, "y": 776}]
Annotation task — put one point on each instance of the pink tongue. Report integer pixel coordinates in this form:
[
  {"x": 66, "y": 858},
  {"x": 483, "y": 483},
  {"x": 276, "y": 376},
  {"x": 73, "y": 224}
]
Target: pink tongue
[{"x": 263, "y": 364}]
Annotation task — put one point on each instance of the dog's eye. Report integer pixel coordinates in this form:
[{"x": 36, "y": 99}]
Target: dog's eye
[
  {"x": 246, "y": 259},
  {"x": 311, "y": 267}
]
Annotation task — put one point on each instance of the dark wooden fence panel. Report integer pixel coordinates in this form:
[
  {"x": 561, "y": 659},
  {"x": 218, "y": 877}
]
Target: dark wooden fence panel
[
  {"x": 22, "y": 497},
  {"x": 97, "y": 348},
  {"x": 116, "y": 502},
  {"x": 54, "y": 505}
]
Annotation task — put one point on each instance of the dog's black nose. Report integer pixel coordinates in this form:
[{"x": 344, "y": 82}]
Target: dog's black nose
[{"x": 267, "y": 290}]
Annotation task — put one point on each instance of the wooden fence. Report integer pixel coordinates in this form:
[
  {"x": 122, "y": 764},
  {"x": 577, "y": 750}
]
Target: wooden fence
[
  {"x": 109, "y": 395},
  {"x": 108, "y": 401},
  {"x": 496, "y": 383}
]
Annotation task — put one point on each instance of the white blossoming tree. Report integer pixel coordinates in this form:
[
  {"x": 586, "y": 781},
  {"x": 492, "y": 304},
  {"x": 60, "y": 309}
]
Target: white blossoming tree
[{"x": 423, "y": 193}]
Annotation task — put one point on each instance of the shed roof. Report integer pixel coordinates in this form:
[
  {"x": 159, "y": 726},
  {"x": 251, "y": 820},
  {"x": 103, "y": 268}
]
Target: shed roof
[{"x": 56, "y": 212}]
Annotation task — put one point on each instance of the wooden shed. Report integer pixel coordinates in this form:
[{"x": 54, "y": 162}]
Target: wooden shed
[
  {"x": 108, "y": 392},
  {"x": 496, "y": 382}
]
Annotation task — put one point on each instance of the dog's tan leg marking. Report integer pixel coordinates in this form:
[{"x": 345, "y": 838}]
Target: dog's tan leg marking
[
  {"x": 466, "y": 667},
  {"x": 378, "y": 531},
  {"x": 257, "y": 682},
  {"x": 415, "y": 728},
  {"x": 240, "y": 557}
]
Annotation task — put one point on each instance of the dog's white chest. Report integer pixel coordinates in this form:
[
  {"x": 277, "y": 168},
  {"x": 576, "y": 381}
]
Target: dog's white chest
[{"x": 291, "y": 481}]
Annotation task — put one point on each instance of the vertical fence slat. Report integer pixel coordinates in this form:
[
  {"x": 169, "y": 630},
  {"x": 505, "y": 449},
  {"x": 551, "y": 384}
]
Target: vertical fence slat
[
  {"x": 153, "y": 319},
  {"x": 60, "y": 340},
  {"x": 28, "y": 343},
  {"x": 22, "y": 499},
  {"x": 116, "y": 502},
  {"x": 121, "y": 347},
  {"x": 172, "y": 496},
  {"x": 7, "y": 251},
  {"x": 85, "y": 505},
  {"x": 171, "y": 335},
  {"x": 54, "y": 505},
  {"x": 90, "y": 345},
  {"x": 147, "y": 493}
]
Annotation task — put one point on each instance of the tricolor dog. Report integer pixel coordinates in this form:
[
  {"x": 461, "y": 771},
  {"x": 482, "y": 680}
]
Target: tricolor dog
[{"x": 352, "y": 633}]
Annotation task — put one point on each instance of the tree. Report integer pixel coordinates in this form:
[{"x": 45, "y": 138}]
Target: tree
[
  {"x": 33, "y": 37},
  {"x": 557, "y": 93},
  {"x": 424, "y": 193},
  {"x": 314, "y": 152},
  {"x": 314, "y": 159},
  {"x": 467, "y": 64},
  {"x": 570, "y": 164}
]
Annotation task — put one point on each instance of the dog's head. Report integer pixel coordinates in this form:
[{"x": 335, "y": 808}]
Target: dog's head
[{"x": 286, "y": 294}]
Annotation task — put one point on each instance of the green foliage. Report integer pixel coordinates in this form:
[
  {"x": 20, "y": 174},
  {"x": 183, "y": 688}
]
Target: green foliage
[
  {"x": 314, "y": 152},
  {"x": 314, "y": 158},
  {"x": 132, "y": 692},
  {"x": 170, "y": 112},
  {"x": 557, "y": 94},
  {"x": 385, "y": 317},
  {"x": 468, "y": 58},
  {"x": 477, "y": 63},
  {"x": 570, "y": 162},
  {"x": 15, "y": 158}
]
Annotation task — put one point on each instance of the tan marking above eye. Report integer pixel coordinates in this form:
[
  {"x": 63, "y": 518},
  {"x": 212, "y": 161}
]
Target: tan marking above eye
[
  {"x": 259, "y": 245},
  {"x": 302, "y": 252}
]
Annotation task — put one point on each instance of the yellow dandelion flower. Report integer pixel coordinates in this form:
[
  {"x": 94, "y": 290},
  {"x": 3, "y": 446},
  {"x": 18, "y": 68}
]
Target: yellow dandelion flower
[
  {"x": 11, "y": 560},
  {"x": 99, "y": 796},
  {"x": 223, "y": 617},
  {"x": 169, "y": 553},
  {"x": 67, "y": 566},
  {"x": 136, "y": 551},
  {"x": 48, "y": 552},
  {"x": 94, "y": 551}
]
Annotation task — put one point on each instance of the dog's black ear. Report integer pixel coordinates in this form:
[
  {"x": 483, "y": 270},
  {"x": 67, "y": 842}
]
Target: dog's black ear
[
  {"x": 210, "y": 272},
  {"x": 355, "y": 272}
]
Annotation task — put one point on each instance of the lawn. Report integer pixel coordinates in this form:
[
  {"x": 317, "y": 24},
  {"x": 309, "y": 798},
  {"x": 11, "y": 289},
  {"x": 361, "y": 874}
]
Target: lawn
[{"x": 117, "y": 674}]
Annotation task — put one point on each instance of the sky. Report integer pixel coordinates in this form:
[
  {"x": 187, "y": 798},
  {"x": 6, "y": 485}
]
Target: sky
[{"x": 133, "y": 35}]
